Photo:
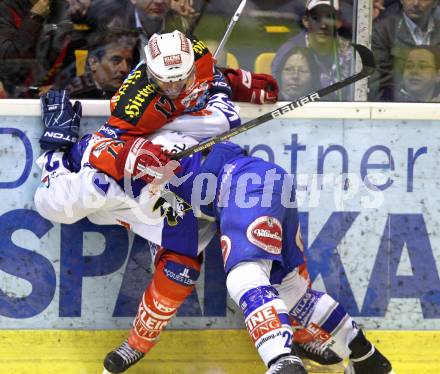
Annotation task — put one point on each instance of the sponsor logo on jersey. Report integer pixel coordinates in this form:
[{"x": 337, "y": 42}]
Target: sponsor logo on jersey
[
  {"x": 109, "y": 131},
  {"x": 129, "y": 81},
  {"x": 171, "y": 206},
  {"x": 137, "y": 103},
  {"x": 225, "y": 244},
  {"x": 263, "y": 321},
  {"x": 266, "y": 232},
  {"x": 99, "y": 147},
  {"x": 196, "y": 91},
  {"x": 199, "y": 48},
  {"x": 172, "y": 60},
  {"x": 225, "y": 185}
]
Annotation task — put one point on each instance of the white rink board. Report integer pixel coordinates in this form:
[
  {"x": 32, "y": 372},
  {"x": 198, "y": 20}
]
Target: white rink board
[{"x": 385, "y": 256}]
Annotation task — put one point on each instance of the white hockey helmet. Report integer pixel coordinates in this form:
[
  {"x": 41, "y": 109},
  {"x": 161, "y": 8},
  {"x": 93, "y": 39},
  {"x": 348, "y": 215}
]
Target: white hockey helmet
[{"x": 170, "y": 62}]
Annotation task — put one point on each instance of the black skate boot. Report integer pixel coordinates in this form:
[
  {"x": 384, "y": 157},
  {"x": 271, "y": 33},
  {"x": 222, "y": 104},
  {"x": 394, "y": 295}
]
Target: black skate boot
[
  {"x": 316, "y": 352},
  {"x": 365, "y": 358},
  {"x": 121, "y": 358},
  {"x": 287, "y": 365}
]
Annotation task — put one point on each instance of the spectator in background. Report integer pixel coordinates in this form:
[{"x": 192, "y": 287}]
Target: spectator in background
[
  {"x": 78, "y": 9},
  {"x": 332, "y": 54},
  {"x": 184, "y": 7},
  {"x": 393, "y": 36},
  {"x": 345, "y": 9},
  {"x": 21, "y": 23},
  {"x": 108, "y": 64},
  {"x": 378, "y": 8},
  {"x": 145, "y": 17},
  {"x": 79, "y": 24},
  {"x": 150, "y": 14},
  {"x": 297, "y": 75},
  {"x": 86, "y": 21},
  {"x": 421, "y": 76}
]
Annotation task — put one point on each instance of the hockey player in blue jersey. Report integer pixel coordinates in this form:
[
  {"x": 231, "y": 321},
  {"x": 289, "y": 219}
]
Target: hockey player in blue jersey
[{"x": 254, "y": 205}]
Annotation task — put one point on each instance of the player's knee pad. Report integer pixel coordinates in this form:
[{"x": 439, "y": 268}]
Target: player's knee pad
[
  {"x": 324, "y": 321},
  {"x": 173, "y": 281}
]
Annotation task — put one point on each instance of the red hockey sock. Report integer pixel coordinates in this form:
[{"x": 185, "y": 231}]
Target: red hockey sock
[{"x": 173, "y": 281}]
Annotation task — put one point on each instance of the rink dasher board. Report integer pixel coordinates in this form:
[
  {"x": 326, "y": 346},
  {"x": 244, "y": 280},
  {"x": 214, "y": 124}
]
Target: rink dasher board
[
  {"x": 384, "y": 260},
  {"x": 186, "y": 352}
]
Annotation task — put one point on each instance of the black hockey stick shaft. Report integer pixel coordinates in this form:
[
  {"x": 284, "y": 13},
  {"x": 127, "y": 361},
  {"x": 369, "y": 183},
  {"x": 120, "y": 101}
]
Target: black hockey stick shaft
[{"x": 368, "y": 67}]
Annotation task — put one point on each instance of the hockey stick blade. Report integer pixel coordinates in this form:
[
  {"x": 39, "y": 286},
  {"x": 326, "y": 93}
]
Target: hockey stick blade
[{"x": 368, "y": 67}]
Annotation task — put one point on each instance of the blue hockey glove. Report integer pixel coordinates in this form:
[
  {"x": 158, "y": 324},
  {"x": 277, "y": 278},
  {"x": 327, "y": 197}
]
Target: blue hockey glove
[{"x": 61, "y": 120}]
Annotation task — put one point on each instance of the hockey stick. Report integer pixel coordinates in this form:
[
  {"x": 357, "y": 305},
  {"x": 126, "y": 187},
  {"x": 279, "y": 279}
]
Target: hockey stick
[
  {"x": 368, "y": 67},
  {"x": 231, "y": 25}
]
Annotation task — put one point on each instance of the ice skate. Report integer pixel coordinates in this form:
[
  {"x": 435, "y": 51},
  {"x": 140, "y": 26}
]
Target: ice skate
[
  {"x": 316, "y": 352},
  {"x": 120, "y": 359},
  {"x": 366, "y": 358},
  {"x": 287, "y": 365}
]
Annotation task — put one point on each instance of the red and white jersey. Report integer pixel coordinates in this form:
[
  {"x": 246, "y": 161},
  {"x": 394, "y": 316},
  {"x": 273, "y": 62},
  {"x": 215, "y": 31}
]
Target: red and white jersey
[
  {"x": 138, "y": 109},
  {"x": 218, "y": 116}
]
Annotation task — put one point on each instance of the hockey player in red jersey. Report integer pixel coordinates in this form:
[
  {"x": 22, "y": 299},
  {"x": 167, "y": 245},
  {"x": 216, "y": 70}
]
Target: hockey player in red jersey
[
  {"x": 104, "y": 153},
  {"x": 178, "y": 77},
  {"x": 177, "y": 82}
]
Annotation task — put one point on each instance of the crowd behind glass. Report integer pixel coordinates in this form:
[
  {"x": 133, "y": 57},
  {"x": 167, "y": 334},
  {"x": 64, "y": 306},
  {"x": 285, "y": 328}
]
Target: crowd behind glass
[{"x": 89, "y": 46}]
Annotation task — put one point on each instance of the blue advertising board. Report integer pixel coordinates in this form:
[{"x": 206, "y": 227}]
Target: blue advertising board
[{"x": 369, "y": 209}]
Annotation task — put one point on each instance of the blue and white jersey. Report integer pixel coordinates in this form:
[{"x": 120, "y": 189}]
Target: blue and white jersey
[
  {"x": 249, "y": 201},
  {"x": 256, "y": 211},
  {"x": 163, "y": 216}
]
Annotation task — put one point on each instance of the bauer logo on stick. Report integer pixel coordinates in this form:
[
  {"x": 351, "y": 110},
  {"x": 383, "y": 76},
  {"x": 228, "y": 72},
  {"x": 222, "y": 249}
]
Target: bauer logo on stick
[{"x": 296, "y": 104}]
